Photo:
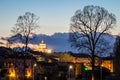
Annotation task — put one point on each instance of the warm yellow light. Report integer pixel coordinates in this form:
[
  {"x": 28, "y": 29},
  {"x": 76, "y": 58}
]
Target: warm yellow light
[
  {"x": 12, "y": 72},
  {"x": 28, "y": 75},
  {"x": 70, "y": 67},
  {"x": 12, "y": 75},
  {"x": 49, "y": 51},
  {"x": 35, "y": 65},
  {"x": 42, "y": 45}
]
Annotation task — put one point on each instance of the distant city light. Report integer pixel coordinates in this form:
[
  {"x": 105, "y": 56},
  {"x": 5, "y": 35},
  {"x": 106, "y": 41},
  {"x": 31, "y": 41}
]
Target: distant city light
[{"x": 49, "y": 51}]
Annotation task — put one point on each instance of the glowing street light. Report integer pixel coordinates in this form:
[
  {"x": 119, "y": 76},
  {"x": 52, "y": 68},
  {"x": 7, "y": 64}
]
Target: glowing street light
[
  {"x": 34, "y": 65},
  {"x": 70, "y": 68},
  {"x": 101, "y": 71}
]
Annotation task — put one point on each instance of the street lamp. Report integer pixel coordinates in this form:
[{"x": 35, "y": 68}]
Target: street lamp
[
  {"x": 101, "y": 71},
  {"x": 70, "y": 68},
  {"x": 34, "y": 65}
]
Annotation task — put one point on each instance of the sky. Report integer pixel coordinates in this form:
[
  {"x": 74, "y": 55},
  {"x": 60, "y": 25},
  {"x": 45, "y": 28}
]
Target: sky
[{"x": 54, "y": 15}]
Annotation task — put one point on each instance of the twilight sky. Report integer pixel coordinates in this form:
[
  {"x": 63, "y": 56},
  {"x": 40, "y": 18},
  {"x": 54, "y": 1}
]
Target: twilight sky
[{"x": 54, "y": 14}]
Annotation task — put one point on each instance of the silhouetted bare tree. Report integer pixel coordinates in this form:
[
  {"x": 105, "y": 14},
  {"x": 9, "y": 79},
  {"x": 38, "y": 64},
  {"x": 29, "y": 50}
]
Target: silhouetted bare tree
[
  {"x": 25, "y": 25},
  {"x": 87, "y": 28}
]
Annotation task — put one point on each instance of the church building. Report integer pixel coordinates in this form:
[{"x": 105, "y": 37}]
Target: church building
[{"x": 43, "y": 48}]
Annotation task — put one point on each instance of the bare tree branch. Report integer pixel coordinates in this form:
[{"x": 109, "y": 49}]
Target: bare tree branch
[
  {"x": 25, "y": 25},
  {"x": 90, "y": 25}
]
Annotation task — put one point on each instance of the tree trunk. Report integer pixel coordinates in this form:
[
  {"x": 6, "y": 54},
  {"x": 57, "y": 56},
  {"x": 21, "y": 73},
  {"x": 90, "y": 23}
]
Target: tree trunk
[
  {"x": 93, "y": 66},
  {"x": 25, "y": 53},
  {"x": 26, "y": 44}
]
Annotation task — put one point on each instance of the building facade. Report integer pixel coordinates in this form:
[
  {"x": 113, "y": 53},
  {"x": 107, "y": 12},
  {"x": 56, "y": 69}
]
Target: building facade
[
  {"x": 19, "y": 67},
  {"x": 43, "y": 48}
]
